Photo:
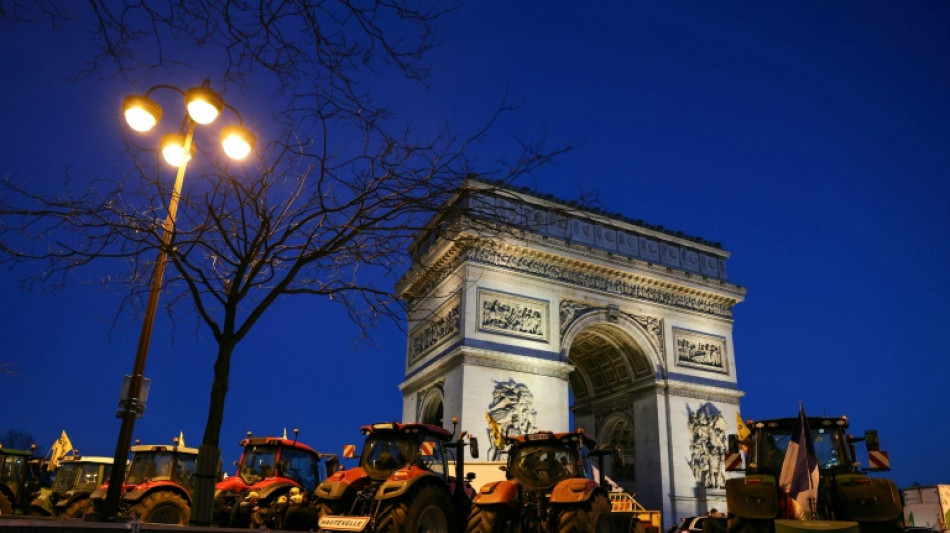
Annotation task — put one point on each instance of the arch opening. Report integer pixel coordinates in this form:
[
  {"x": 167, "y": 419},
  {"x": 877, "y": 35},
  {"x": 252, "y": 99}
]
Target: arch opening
[
  {"x": 609, "y": 366},
  {"x": 432, "y": 410}
]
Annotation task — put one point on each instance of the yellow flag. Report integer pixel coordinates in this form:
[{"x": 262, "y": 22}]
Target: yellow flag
[
  {"x": 498, "y": 436},
  {"x": 58, "y": 450},
  {"x": 743, "y": 430},
  {"x": 181, "y": 439}
]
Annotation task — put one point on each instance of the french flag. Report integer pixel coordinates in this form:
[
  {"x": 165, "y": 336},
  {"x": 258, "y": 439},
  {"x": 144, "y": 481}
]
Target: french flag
[{"x": 799, "y": 475}]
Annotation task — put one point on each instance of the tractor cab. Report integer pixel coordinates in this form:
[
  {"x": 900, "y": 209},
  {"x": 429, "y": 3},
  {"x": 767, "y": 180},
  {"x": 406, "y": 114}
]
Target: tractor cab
[
  {"x": 20, "y": 476},
  {"x": 392, "y": 446},
  {"x": 162, "y": 463}
]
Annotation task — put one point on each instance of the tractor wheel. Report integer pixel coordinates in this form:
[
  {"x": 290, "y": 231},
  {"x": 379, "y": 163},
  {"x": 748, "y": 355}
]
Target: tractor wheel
[
  {"x": 426, "y": 510},
  {"x": 586, "y": 517},
  {"x": 737, "y": 524},
  {"x": 5, "y": 506},
  {"x": 489, "y": 519},
  {"x": 78, "y": 508},
  {"x": 162, "y": 507}
]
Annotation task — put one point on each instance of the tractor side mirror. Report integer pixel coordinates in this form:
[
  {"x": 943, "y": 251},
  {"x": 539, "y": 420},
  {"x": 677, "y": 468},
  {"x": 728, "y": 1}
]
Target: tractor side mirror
[
  {"x": 733, "y": 444},
  {"x": 333, "y": 464},
  {"x": 870, "y": 440},
  {"x": 473, "y": 447}
]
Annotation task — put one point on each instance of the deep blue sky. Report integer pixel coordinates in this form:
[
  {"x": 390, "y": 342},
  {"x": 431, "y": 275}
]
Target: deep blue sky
[{"x": 811, "y": 138}]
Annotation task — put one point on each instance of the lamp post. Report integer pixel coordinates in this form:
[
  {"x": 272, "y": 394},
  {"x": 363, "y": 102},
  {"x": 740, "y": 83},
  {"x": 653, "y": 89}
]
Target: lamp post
[{"x": 203, "y": 106}]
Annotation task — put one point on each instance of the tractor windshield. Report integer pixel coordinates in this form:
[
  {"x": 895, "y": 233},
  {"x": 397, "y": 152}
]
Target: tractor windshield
[
  {"x": 158, "y": 465},
  {"x": 83, "y": 477},
  {"x": 11, "y": 469},
  {"x": 384, "y": 453},
  {"x": 544, "y": 465},
  {"x": 259, "y": 462},
  {"x": 829, "y": 447},
  {"x": 66, "y": 477},
  {"x": 149, "y": 466}
]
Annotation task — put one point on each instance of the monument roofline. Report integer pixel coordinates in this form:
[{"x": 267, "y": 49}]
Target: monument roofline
[{"x": 566, "y": 208}]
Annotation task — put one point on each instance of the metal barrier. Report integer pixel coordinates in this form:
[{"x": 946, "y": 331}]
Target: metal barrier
[{"x": 49, "y": 525}]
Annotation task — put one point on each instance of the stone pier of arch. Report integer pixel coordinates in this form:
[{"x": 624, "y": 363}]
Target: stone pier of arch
[{"x": 563, "y": 318}]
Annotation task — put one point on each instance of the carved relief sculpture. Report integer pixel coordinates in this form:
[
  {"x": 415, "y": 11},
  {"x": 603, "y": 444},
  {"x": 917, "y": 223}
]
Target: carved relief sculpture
[
  {"x": 513, "y": 315},
  {"x": 700, "y": 350},
  {"x": 707, "y": 433},
  {"x": 445, "y": 323},
  {"x": 511, "y": 412}
]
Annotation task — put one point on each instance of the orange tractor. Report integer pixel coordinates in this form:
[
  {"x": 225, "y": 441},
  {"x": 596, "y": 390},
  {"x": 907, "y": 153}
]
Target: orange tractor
[
  {"x": 550, "y": 489},
  {"x": 271, "y": 467},
  {"x": 402, "y": 484}
]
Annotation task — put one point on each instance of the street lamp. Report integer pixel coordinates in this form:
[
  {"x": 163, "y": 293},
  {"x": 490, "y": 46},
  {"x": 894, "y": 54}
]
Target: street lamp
[{"x": 203, "y": 106}]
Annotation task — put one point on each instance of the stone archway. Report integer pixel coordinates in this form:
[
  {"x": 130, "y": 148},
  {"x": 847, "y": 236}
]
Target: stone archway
[
  {"x": 432, "y": 407},
  {"x": 619, "y": 430},
  {"x": 569, "y": 317},
  {"x": 611, "y": 374}
]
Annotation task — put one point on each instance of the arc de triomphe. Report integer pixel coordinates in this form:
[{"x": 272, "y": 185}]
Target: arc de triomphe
[{"x": 528, "y": 313}]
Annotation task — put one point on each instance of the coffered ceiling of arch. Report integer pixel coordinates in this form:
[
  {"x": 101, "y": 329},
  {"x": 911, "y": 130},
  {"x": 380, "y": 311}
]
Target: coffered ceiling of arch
[{"x": 605, "y": 363}]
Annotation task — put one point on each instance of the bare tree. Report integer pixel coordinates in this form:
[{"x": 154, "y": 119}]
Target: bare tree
[
  {"x": 329, "y": 208},
  {"x": 16, "y": 440}
]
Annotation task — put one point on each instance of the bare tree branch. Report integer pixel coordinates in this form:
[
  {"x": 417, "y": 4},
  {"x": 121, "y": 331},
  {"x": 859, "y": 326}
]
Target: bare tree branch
[{"x": 328, "y": 209}]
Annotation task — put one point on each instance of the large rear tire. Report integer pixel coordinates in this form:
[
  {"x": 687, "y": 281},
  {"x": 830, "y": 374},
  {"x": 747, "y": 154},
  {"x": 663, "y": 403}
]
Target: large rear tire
[
  {"x": 489, "y": 519},
  {"x": 163, "y": 507},
  {"x": 5, "y": 506},
  {"x": 586, "y": 517},
  {"x": 426, "y": 510},
  {"x": 78, "y": 508}
]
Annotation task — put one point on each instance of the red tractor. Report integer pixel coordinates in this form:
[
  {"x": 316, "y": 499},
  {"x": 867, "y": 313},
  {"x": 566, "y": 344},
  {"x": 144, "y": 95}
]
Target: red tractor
[
  {"x": 550, "y": 489},
  {"x": 402, "y": 484},
  {"x": 270, "y": 467},
  {"x": 157, "y": 486}
]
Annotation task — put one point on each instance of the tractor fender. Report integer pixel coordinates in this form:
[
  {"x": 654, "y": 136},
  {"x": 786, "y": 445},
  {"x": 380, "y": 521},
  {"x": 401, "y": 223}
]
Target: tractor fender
[
  {"x": 68, "y": 498},
  {"x": 402, "y": 480},
  {"x": 574, "y": 490},
  {"x": 339, "y": 484},
  {"x": 233, "y": 483},
  {"x": 275, "y": 489},
  {"x": 507, "y": 491},
  {"x": 753, "y": 497},
  {"x": 43, "y": 503},
  {"x": 865, "y": 499},
  {"x": 140, "y": 491}
]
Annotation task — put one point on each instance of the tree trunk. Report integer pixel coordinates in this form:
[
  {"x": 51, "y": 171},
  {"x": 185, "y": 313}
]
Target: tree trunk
[{"x": 209, "y": 457}]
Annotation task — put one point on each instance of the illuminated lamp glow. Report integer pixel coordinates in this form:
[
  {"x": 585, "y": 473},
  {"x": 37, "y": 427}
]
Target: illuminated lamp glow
[
  {"x": 173, "y": 149},
  {"x": 237, "y": 141},
  {"x": 141, "y": 113},
  {"x": 203, "y": 104}
]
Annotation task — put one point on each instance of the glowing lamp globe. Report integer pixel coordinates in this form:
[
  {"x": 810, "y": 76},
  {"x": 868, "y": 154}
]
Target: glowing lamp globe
[
  {"x": 237, "y": 141},
  {"x": 203, "y": 104},
  {"x": 141, "y": 113},
  {"x": 173, "y": 149}
]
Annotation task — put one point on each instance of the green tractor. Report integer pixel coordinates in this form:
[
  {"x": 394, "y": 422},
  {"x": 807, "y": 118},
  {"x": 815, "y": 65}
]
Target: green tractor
[
  {"x": 21, "y": 474},
  {"x": 845, "y": 493},
  {"x": 77, "y": 477}
]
